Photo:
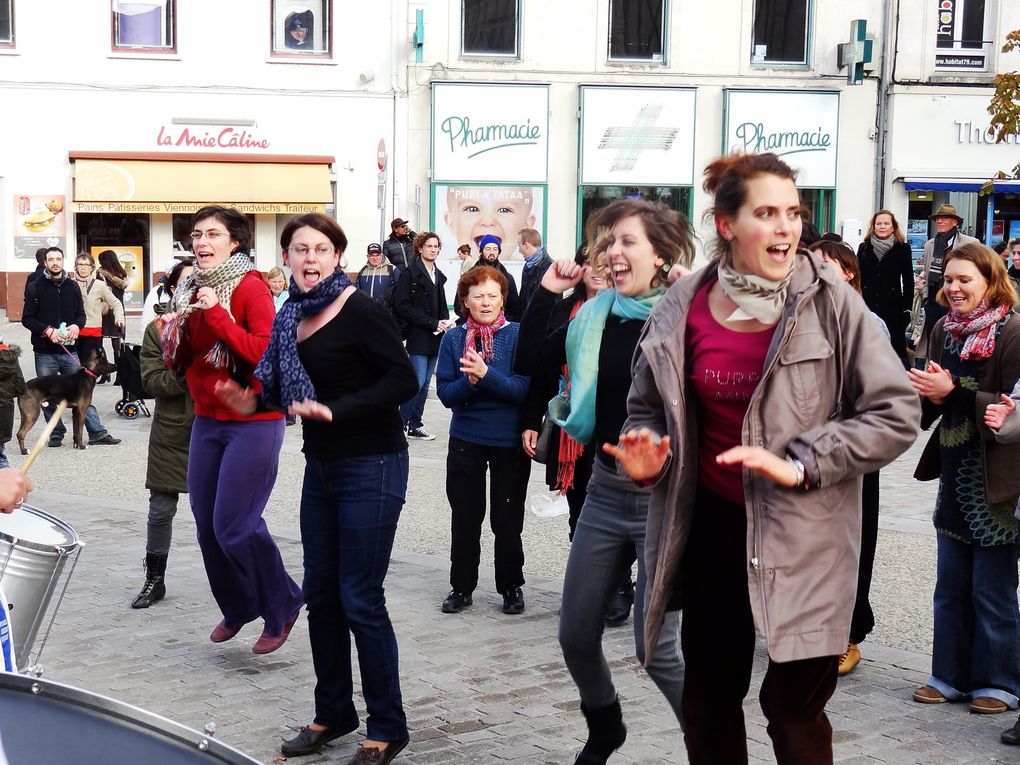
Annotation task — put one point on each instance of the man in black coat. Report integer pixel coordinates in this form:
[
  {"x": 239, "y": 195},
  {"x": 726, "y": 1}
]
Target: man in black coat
[
  {"x": 54, "y": 314},
  {"x": 419, "y": 300},
  {"x": 536, "y": 263},
  {"x": 399, "y": 248}
]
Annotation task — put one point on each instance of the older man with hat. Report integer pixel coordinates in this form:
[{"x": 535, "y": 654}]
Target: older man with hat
[
  {"x": 399, "y": 247},
  {"x": 378, "y": 277},
  {"x": 936, "y": 250}
]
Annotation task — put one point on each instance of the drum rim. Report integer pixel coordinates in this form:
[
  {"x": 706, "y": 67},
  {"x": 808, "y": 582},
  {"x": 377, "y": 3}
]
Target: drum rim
[
  {"x": 121, "y": 710},
  {"x": 57, "y": 549}
]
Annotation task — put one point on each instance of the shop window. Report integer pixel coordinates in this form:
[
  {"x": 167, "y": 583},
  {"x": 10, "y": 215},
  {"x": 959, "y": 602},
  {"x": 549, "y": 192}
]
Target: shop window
[
  {"x": 963, "y": 34},
  {"x": 144, "y": 25},
  {"x": 818, "y": 207},
  {"x": 636, "y": 30},
  {"x": 7, "y": 23},
  {"x": 596, "y": 197},
  {"x": 489, "y": 27},
  {"x": 780, "y": 31},
  {"x": 128, "y": 237},
  {"x": 302, "y": 28}
]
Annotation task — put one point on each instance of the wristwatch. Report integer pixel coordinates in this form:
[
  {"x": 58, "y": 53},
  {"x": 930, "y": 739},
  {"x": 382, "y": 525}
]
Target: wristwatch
[{"x": 798, "y": 466}]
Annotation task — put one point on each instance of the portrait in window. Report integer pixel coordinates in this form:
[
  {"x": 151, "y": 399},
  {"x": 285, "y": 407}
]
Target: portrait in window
[
  {"x": 489, "y": 27},
  {"x": 301, "y": 27},
  {"x": 144, "y": 25},
  {"x": 780, "y": 31},
  {"x": 7, "y": 23},
  {"x": 636, "y": 30}
]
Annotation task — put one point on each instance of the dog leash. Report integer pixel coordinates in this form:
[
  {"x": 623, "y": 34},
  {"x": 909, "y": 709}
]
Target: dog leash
[{"x": 86, "y": 371}]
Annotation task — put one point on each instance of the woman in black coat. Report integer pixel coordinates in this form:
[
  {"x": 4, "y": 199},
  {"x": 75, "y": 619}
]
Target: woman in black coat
[{"x": 887, "y": 277}]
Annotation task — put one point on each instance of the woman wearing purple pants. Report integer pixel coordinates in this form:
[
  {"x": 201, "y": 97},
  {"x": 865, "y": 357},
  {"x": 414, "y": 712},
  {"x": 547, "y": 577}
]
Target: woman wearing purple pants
[{"x": 217, "y": 330}]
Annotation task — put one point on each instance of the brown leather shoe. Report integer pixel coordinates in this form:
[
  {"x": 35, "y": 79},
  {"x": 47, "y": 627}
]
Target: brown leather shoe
[
  {"x": 928, "y": 695},
  {"x": 377, "y": 756},
  {"x": 984, "y": 705},
  {"x": 268, "y": 643},
  {"x": 849, "y": 660},
  {"x": 222, "y": 633}
]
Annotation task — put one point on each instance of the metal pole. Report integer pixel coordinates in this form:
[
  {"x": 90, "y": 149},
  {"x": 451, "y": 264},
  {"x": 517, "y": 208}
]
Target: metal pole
[{"x": 883, "y": 107}]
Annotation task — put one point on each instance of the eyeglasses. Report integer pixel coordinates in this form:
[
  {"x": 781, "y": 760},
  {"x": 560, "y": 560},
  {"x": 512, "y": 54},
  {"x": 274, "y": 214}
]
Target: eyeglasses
[
  {"x": 212, "y": 236},
  {"x": 303, "y": 249},
  {"x": 84, "y": 264}
]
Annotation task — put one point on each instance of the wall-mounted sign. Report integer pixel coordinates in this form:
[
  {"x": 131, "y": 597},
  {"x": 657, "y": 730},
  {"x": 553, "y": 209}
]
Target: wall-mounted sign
[
  {"x": 130, "y": 258},
  {"x": 802, "y": 127},
  {"x": 490, "y": 133},
  {"x": 637, "y": 136},
  {"x": 201, "y": 138},
  {"x": 39, "y": 221},
  {"x": 170, "y": 208}
]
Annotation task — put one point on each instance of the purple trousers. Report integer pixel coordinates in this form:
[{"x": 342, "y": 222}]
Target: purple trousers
[{"x": 231, "y": 471}]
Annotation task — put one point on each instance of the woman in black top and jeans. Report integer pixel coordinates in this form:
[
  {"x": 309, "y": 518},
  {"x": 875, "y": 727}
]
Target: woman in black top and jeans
[{"x": 335, "y": 359}]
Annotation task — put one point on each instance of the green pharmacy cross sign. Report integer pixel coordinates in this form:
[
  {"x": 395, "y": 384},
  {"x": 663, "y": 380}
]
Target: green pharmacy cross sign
[{"x": 856, "y": 53}]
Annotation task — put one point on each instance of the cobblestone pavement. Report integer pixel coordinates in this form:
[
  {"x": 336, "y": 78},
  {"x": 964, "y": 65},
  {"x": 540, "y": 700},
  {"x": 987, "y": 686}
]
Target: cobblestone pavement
[{"x": 479, "y": 687}]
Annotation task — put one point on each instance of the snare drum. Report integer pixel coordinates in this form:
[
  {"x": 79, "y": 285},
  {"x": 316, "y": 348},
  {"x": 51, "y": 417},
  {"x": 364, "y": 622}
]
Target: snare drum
[
  {"x": 35, "y": 548},
  {"x": 51, "y": 723}
]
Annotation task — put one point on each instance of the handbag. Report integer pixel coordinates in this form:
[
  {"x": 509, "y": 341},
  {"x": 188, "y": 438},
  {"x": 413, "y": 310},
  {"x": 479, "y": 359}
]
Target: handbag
[{"x": 544, "y": 441}]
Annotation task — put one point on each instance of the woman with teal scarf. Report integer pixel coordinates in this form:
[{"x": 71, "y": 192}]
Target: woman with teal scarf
[{"x": 646, "y": 240}]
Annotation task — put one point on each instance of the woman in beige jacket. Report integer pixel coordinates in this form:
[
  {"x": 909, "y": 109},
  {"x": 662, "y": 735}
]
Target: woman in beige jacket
[
  {"x": 762, "y": 390},
  {"x": 96, "y": 295}
]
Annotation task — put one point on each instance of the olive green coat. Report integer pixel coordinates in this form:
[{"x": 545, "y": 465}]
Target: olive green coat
[{"x": 170, "y": 435}]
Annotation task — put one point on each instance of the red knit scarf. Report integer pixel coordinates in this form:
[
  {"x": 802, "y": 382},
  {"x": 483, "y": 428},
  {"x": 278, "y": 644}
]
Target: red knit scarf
[
  {"x": 570, "y": 450},
  {"x": 483, "y": 333},
  {"x": 978, "y": 327}
]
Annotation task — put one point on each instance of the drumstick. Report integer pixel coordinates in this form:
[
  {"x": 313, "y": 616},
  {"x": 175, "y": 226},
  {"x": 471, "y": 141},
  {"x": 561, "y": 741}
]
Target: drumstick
[{"x": 45, "y": 436}]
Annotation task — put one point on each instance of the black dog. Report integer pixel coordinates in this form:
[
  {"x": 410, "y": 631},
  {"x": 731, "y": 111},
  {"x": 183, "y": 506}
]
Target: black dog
[{"x": 76, "y": 389}]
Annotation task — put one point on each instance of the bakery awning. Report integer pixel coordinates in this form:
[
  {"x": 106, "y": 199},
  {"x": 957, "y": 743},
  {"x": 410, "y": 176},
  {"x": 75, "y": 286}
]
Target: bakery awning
[{"x": 182, "y": 183}]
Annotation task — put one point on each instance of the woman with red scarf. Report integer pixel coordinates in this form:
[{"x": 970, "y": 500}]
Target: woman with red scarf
[
  {"x": 973, "y": 358},
  {"x": 474, "y": 379}
]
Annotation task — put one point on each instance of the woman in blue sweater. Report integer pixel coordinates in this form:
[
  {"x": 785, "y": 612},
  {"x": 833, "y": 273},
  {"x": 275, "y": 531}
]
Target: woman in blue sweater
[{"x": 474, "y": 379}]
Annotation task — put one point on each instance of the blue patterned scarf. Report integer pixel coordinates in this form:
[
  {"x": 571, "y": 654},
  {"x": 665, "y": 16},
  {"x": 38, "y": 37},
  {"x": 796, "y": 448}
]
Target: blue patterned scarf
[
  {"x": 283, "y": 376},
  {"x": 574, "y": 410}
]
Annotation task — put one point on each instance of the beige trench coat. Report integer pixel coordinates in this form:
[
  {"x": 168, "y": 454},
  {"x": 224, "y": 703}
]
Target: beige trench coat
[{"x": 835, "y": 395}]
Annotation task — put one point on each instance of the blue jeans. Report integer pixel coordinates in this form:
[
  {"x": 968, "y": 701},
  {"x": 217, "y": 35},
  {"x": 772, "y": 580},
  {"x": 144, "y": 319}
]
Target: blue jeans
[
  {"x": 611, "y": 521},
  {"x": 976, "y": 650},
  {"x": 412, "y": 410},
  {"x": 349, "y": 512},
  {"x": 4, "y": 462},
  {"x": 62, "y": 364}
]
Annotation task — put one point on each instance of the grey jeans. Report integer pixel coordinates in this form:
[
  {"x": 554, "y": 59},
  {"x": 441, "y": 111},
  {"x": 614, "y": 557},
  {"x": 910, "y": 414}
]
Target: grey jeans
[
  {"x": 610, "y": 521},
  {"x": 162, "y": 509}
]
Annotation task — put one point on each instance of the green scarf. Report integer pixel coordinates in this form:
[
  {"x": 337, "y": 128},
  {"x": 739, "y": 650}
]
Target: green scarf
[{"x": 574, "y": 409}]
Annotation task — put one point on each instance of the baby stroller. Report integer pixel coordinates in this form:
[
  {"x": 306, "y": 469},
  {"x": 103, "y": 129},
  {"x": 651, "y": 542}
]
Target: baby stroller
[{"x": 129, "y": 369}]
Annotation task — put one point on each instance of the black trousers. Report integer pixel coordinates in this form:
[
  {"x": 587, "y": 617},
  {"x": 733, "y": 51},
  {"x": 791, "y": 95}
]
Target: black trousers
[
  {"x": 863, "y": 620},
  {"x": 509, "y": 469},
  {"x": 718, "y": 639}
]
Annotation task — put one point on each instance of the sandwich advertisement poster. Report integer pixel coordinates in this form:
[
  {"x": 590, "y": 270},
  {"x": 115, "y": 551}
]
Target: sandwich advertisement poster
[{"x": 39, "y": 221}]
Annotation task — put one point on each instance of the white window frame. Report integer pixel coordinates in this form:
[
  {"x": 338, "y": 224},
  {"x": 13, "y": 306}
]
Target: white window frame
[
  {"x": 167, "y": 25},
  {"x": 659, "y": 59},
  {"x": 9, "y": 41},
  {"x": 492, "y": 54},
  {"x": 282, "y": 10},
  {"x": 987, "y": 48},
  {"x": 759, "y": 59}
]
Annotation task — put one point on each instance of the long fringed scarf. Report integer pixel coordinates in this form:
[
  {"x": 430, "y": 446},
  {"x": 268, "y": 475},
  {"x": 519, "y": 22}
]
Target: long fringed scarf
[
  {"x": 283, "y": 376},
  {"x": 570, "y": 451},
  {"x": 941, "y": 245},
  {"x": 484, "y": 333},
  {"x": 978, "y": 327},
  {"x": 756, "y": 297},
  {"x": 222, "y": 278},
  {"x": 574, "y": 410}
]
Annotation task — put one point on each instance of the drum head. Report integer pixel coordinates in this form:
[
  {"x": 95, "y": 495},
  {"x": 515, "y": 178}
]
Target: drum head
[
  {"x": 36, "y": 529},
  {"x": 47, "y": 722}
]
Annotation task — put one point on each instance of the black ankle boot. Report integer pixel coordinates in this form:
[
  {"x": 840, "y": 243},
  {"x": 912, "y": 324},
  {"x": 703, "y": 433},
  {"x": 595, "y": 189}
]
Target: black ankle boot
[
  {"x": 154, "y": 588},
  {"x": 606, "y": 734},
  {"x": 619, "y": 605}
]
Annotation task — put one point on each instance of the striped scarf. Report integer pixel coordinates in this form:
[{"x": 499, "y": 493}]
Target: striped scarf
[{"x": 223, "y": 278}]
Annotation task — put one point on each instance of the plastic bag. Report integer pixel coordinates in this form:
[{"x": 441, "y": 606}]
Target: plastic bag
[{"x": 548, "y": 506}]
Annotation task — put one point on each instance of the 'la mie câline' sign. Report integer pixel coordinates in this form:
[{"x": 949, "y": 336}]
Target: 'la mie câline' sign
[{"x": 228, "y": 138}]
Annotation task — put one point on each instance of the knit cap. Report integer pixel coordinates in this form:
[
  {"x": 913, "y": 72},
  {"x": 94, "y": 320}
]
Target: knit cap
[{"x": 490, "y": 239}]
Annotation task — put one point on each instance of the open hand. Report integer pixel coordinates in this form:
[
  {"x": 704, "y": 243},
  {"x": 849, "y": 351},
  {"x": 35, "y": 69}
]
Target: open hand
[
  {"x": 640, "y": 455},
  {"x": 934, "y": 383},
  {"x": 473, "y": 365},
  {"x": 241, "y": 400},
  {"x": 996, "y": 414},
  {"x": 311, "y": 410},
  {"x": 761, "y": 461}
]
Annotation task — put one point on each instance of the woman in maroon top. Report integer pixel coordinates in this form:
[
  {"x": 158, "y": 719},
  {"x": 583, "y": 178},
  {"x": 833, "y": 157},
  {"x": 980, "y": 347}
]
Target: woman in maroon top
[
  {"x": 762, "y": 389},
  {"x": 217, "y": 330}
]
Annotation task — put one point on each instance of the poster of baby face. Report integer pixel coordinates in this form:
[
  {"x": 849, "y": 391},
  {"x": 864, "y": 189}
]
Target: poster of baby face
[{"x": 463, "y": 214}]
